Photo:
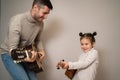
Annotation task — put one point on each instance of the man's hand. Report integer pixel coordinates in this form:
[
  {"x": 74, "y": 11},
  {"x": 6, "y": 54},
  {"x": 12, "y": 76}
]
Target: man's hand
[
  {"x": 42, "y": 55},
  {"x": 33, "y": 57}
]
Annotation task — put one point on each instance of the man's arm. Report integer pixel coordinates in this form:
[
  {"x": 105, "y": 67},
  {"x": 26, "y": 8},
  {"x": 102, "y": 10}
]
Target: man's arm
[{"x": 14, "y": 33}]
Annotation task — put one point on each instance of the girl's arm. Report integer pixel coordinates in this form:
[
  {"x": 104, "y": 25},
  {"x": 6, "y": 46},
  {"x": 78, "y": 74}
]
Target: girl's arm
[{"x": 83, "y": 64}]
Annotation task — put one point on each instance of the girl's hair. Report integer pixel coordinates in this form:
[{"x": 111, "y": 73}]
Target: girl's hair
[{"x": 89, "y": 36}]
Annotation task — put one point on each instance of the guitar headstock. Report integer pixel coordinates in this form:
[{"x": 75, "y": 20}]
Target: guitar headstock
[
  {"x": 18, "y": 55},
  {"x": 60, "y": 64}
]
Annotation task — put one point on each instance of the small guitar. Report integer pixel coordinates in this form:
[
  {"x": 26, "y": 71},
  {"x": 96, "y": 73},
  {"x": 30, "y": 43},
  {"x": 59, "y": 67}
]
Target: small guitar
[
  {"x": 18, "y": 55},
  {"x": 69, "y": 73}
]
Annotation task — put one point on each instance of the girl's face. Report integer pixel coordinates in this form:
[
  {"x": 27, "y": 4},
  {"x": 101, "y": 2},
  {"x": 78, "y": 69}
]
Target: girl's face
[{"x": 86, "y": 45}]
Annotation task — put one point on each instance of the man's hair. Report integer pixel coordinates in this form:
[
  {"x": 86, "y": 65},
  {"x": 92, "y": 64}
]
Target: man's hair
[{"x": 42, "y": 3}]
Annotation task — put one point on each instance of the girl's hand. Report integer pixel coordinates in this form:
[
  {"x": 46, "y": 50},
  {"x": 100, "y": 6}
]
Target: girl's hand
[
  {"x": 62, "y": 64},
  {"x": 66, "y": 65}
]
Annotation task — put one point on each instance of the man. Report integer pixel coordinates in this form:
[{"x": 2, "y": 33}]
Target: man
[{"x": 25, "y": 29}]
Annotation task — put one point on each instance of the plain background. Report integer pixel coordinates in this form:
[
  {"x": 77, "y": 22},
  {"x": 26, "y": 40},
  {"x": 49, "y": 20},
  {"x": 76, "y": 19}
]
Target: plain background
[{"x": 61, "y": 39}]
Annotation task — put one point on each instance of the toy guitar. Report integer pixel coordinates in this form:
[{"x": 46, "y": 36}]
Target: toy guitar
[
  {"x": 69, "y": 73},
  {"x": 18, "y": 55}
]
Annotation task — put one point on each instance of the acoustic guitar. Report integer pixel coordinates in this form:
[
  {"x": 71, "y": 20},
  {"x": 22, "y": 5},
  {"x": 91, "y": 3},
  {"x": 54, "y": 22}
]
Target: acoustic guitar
[{"x": 18, "y": 55}]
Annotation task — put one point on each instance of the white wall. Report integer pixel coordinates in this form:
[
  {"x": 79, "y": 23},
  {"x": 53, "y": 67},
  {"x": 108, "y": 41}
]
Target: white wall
[{"x": 61, "y": 40}]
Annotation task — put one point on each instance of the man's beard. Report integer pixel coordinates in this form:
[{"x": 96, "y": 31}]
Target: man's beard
[{"x": 38, "y": 19}]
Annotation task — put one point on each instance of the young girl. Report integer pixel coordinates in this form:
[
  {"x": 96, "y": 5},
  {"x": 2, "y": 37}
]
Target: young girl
[{"x": 88, "y": 61}]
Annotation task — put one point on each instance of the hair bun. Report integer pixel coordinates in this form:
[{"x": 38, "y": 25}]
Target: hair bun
[
  {"x": 94, "y": 33},
  {"x": 80, "y": 34}
]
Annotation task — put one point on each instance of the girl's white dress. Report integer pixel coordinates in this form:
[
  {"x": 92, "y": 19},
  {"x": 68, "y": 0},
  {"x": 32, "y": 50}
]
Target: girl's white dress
[{"x": 86, "y": 65}]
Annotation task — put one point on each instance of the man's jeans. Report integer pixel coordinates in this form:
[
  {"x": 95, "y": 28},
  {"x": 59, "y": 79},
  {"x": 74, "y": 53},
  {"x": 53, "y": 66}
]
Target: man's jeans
[{"x": 18, "y": 71}]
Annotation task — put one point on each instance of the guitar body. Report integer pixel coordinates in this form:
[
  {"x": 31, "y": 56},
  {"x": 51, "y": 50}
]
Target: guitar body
[
  {"x": 18, "y": 55},
  {"x": 35, "y": 66},
  {"x": 70, "y": 73}
]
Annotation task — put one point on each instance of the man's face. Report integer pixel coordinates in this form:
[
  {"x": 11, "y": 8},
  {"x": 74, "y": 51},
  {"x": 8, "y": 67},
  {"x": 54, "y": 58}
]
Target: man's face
[{"x": 41, "y": 13}]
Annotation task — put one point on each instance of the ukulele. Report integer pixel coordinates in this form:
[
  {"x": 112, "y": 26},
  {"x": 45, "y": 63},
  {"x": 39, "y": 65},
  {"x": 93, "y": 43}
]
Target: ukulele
[{"x": 69, "y": 73}]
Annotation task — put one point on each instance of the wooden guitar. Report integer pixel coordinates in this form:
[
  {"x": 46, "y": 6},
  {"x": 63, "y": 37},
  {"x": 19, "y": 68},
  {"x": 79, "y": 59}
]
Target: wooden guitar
[{"x": 18, "y": 55}]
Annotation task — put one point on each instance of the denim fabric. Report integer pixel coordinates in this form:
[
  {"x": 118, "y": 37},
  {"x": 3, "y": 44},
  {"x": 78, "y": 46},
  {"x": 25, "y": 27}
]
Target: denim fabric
[{"x": 18, "y": 71}]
